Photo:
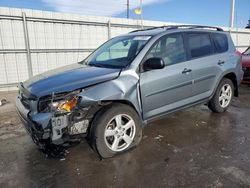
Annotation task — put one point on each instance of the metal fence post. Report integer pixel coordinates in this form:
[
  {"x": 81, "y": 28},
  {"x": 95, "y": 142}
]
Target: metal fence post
[
  {"x": 27, "y": 45},
  {"x": 109, "y": 29}
]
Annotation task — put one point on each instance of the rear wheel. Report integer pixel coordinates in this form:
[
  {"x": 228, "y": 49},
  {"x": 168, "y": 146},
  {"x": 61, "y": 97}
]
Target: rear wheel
[
  {"x": 222, "y": 97},
  {"x": 115, "y": 129}
]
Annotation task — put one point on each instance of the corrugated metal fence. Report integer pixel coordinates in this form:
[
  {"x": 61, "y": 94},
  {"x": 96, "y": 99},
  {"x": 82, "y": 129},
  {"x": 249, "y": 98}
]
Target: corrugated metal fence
[{"x": 32, "y": 41}]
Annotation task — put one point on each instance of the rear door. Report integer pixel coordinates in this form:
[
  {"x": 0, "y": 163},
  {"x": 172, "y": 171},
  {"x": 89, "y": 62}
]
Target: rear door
[
  {"x": 165, "y": 89},
  {"x": 206, "y": 63}
]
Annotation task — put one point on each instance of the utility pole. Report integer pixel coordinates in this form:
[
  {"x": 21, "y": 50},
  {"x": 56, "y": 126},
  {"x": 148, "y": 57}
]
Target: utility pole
[
  {"x": 128, "y": 9},
  {"x": 141, "y": 13},
  {"x": 231, "y": 23}
]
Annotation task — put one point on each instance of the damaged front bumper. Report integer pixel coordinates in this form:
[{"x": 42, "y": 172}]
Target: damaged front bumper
[
  {"x": 50, "y": 128},
  {"x": 33, "y": 128}
]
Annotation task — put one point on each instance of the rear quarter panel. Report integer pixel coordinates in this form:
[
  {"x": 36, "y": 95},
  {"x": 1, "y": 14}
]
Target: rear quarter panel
[{"x": 232, "y": 65}]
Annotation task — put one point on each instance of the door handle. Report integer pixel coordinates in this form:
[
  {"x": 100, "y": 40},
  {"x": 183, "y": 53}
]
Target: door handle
[
  {"x": 221, "y": 62},
  {"x": 186, "y": 71}
]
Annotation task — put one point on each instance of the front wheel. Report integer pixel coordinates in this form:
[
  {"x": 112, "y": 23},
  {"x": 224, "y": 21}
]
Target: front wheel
[
  {"x": 115, "y": 129},
  {"x": 222, "y": 97}
]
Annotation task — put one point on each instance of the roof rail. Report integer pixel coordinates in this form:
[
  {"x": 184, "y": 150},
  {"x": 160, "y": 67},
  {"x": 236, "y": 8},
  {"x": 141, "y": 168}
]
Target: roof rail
[
  {"x": 167, "y": 27},
  {"x": 150, "y": 28},
  {"x": 195, "y": 27}
]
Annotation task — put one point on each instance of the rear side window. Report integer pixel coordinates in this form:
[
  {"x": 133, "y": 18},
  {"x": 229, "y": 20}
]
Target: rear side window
[
  {"x": 200, "y": 44},
  {"x": 220, "y": 42}
]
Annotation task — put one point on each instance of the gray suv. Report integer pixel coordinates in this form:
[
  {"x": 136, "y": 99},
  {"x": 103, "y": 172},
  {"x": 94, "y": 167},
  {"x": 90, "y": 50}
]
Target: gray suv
[{"x": 127, "y": 82}]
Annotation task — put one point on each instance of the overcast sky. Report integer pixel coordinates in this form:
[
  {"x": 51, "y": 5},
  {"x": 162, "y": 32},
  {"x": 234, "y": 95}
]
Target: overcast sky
[{"x": 209, "y": 12}]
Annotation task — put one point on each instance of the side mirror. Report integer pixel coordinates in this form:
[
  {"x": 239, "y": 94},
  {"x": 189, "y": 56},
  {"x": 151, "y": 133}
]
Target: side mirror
[{"x": 153, "y": 63}]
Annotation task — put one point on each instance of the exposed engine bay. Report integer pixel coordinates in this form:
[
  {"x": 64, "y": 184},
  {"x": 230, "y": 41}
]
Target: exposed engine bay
[
  {"x": 56, "y": 119},
  {"x": 68, "y": 117}
]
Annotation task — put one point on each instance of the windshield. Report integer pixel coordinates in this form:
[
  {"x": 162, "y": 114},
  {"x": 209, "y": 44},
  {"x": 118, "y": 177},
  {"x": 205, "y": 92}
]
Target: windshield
[{"x": 117, "y": 52}]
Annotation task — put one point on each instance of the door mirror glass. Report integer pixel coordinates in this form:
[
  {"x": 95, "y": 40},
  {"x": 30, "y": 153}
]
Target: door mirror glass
[{"x": 153, "y": 63}]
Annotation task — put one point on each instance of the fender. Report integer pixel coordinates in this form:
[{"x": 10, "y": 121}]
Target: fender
[{"x": 125, "y": 88}]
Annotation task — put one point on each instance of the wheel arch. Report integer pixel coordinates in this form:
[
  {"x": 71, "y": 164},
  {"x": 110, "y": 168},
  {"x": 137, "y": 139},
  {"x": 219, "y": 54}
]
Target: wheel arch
[
  {"x": 126, "y": 102},
  {"x": 105, "y": 105},
  {"x": 232, "y": 76}
]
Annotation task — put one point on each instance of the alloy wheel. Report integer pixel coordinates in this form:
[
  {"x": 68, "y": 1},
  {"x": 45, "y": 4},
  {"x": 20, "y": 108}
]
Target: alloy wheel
[
  {"x": 225, "y": 95},
  {"x": 120, "y": 132}
]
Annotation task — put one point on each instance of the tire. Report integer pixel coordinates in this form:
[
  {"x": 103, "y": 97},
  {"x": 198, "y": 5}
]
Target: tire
[
  {"x": 115, "y": 129},
  {"x": 222, "y": 98}
]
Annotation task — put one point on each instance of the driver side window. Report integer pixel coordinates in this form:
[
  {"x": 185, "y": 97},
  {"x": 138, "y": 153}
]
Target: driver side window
[{"x": 170, "y": 48}]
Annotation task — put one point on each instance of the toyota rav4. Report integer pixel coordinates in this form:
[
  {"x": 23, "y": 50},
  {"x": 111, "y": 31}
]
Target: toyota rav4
[{"x": 129, "y": 81}]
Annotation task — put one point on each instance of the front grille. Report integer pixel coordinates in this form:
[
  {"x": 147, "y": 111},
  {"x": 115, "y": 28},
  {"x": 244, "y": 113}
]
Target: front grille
[
  {"x": 25, "y": 102},
  {"x": 25, "y": 96},
  {"x": 24, "y": 99}
]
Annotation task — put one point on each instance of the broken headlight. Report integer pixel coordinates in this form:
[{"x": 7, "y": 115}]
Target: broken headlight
[{"x": 64, "y": 102}]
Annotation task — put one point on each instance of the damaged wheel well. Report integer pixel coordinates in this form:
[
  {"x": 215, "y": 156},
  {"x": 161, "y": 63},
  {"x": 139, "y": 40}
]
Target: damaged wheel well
[
  {"x": 108, "y": 104},
  {"x": 126, "y": 103}
]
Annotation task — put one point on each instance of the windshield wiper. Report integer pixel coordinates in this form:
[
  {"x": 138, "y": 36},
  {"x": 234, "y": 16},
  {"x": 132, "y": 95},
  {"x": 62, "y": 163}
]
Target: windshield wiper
[
  {"x": 95, "y": 65},
  {"x": 105, "y": 65}
]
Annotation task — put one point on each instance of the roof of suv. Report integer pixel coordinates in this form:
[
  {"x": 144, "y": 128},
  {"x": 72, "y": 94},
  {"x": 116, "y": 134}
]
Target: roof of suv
[{"x": 157, "y": 30}]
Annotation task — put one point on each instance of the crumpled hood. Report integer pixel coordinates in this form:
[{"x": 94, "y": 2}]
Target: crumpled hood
[{"x": 68, "y": 78}]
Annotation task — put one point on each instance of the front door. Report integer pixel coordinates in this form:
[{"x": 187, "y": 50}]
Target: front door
[{"x": 166, "y": 89}]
